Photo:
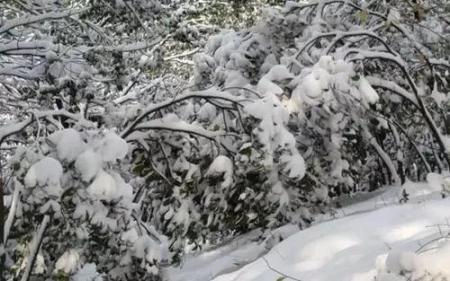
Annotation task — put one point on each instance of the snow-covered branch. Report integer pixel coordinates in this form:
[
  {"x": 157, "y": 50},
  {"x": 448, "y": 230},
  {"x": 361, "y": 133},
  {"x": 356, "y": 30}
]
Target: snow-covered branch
[
  {"x": 10, "y": 24},
  {"x": 206, "y": 94},
  {"x": 393, "y": 88},
  {"x": 15, "y": 128},
  {"x": 34, "y": 248},
  {"x": 41, "y": 45}
]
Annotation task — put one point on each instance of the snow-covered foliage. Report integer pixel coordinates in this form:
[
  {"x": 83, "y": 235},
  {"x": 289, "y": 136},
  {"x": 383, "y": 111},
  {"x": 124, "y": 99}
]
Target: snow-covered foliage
[
  {"x": 92, "y": 209},
  {"x": 130, "y": 131},
  {"x": 341, "y": 69}
]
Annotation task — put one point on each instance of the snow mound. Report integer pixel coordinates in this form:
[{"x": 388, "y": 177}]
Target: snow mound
[
  {"x": 361, "y": 247},
  {"x": 404, "y": 266}
]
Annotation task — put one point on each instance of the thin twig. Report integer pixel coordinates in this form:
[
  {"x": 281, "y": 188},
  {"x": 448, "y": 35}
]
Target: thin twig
[{"x": 279, "y": 272}]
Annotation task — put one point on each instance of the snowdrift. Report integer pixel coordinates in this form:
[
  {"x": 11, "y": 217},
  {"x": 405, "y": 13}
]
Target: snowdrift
[{"x": 402, "y": 242}]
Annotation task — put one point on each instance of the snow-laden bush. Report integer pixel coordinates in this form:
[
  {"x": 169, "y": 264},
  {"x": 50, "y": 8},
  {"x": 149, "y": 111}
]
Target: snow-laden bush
[
  {"x": 217, "y": 166},
  {"x": 342, "y": 69},
  {"x": 69, "y": 185},
  {"x": 315, "y": 100}
]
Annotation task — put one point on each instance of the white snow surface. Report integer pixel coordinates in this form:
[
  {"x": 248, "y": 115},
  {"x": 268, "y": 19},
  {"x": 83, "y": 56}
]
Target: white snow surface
[
  {"x": 228, "y": 257},
  {"x": 363, "y": 245},
  {"x": 373, "y": 237}
]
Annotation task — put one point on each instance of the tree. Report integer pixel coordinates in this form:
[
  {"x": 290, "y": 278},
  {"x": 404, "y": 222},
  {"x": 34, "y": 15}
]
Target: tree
[{"x": 276, "y": 119}]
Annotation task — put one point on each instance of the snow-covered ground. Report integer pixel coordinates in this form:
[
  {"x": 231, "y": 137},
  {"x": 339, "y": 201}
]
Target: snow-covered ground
[
  {"x": 229, "y": 257},
  {"x": 353, "y": 247}
]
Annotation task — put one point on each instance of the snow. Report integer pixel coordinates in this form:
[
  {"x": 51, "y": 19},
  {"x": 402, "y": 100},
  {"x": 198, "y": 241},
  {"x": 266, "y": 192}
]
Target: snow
[
  {"x": 393, "y": 16},
  {"x": 182, "y": 216},
  {"x": 39, "y": 264},
  {"x": 227, "y": 257},
  {"x": 88, "y": 164},
  {"x": 113, "y": 147},
  {"x": 68, "y": 262},
  {"x": 47, "y": 171},
  {"x": 438, "y": 182},
  {"x": 405, "y": 265},
  {"x": 68, "y": 144},
  {"x": 222, "y": 166},
  {"x": 87, "y": 273},
  {"x": 397, "y": 261},
  {"x": 235, "y": 79},
  {"x": 206, "y": 112},
  {"x": 265, "y": 86},
  {"x": 148, "y": 249},
  {"x": 130, "y": 235},
  {"x": 279, "y": 73},
  {"x": 353, "y": 247},
  {"x": 109, "y": 187},
  {"x": 361, "y": 246},
  {"x": 313, "y": 84},
  {"x": 368, "y": 93},
  {"x": 175, "y": 124},
  {"x": 103, "y": 187},
  {"x": 295, "y": 165}
]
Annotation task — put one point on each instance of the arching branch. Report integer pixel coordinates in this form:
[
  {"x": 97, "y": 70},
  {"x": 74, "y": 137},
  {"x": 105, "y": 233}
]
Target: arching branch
[{"x": 207, "y": 94}]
